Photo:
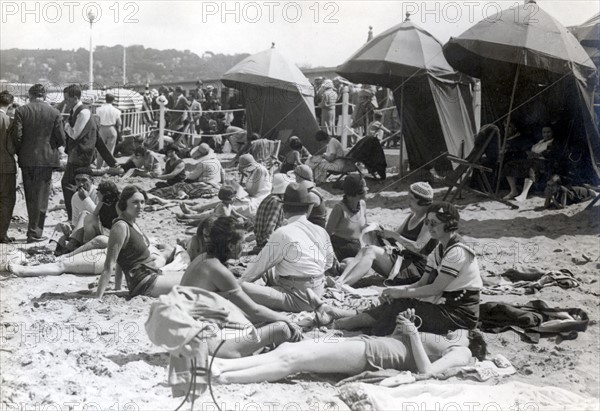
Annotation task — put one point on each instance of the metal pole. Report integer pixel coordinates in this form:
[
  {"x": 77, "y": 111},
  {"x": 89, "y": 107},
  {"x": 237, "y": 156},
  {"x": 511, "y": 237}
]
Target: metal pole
[
  {"x": 91, "y": 85},
  {"x": 345, "y": 101},
  {"x": 124, "y": 66},
  {"x": 503, "y": 148},
  {"x": 161, "y": 122}
]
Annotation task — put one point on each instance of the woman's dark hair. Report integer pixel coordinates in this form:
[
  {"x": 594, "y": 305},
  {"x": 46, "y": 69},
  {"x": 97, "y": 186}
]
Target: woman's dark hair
[
  {"x": 110, "y": 192},
  {"x": 254, "y": 137},
  {"x": 140, "y": 151},
  {"x": 477, "y": 345},
  {"x": 224, "y": 231},
  {"x": 296, "y": 145},
  {"x": 321, "y": 135},
  {"x": 171, "y": 147},
  {"x": 446, "y": 213},
  {"x": 127, "y": 193}
]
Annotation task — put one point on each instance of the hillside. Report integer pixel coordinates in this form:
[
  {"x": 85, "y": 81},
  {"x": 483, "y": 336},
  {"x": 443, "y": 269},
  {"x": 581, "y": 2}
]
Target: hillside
[{"x": 143, "y": 65}]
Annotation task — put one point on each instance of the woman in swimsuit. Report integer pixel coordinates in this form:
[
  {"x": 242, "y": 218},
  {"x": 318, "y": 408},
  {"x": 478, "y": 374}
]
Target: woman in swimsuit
[
  {"x": 129, "y": 253},
  {"x": 406, "y": 350},
  {"x": 210, "y": 273},
  {"x": 412, "y": 235},
  {"x": 446, "y": 297}
]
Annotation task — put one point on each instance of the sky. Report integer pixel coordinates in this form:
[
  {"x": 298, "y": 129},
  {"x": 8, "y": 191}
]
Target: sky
[{"x": 310, "y": 33}]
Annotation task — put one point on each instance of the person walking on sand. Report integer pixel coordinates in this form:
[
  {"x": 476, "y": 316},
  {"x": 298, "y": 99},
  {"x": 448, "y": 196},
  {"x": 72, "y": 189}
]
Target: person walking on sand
[{"x": 8, "y": 169}]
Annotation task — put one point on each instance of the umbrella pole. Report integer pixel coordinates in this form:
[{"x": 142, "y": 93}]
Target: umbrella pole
[
  {"x": 510, "y": 106},
  {"x": 401, "y": 164},
  {"x": 262, "y": 115}
]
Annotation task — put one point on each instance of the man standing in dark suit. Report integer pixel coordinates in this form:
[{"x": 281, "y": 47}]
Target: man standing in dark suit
[
  {"x": 38, "y": 133},
  {"x": 8, "y": 169}
]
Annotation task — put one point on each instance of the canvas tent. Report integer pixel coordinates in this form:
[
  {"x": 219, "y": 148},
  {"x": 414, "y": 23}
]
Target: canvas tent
[
  {"x": 434, "y": 102},
  {"x": 535, "y": 73},
  {"x": 588, "y": 34},
  {"x": 277, "y": 96}
]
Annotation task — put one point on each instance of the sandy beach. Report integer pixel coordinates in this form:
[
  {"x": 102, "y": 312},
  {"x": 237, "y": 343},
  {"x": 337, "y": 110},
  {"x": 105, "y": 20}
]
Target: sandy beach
[{"x": 61, "y": 348}]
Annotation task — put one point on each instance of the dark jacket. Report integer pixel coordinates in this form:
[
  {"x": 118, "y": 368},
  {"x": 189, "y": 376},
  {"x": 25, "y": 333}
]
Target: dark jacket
[
  {"x": 38, "y": 133},
  {"x": 81, "y": 151},
  {"x": 7, "y": 147}
]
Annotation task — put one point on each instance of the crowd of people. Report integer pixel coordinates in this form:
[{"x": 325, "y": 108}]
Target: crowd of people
[{"x": 432, "y": 278}]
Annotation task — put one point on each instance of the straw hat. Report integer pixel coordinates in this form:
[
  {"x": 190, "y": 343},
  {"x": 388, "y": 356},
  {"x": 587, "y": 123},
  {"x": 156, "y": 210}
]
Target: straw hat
[
  {"x": 200, "y": 151},
  {"x": 422, "y": 191}
]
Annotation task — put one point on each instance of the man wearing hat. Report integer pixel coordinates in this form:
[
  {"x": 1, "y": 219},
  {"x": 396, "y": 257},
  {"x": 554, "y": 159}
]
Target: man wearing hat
[
  {"x": 269, "y": 216},
  {"x": 38, "y": 135},
  {"x": 299, "y": 254},
  {"x": 318, "y": 213}
]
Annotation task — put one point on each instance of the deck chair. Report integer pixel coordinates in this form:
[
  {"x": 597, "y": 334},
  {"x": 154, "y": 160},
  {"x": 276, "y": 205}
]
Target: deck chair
[
  {"x": 369, "y": 152},
  {"x": 266, "y": 152},
  {"x": 458, "y": 179}
]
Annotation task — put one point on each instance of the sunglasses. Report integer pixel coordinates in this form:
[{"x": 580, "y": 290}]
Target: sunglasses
[{"x": 432, "y": 223}]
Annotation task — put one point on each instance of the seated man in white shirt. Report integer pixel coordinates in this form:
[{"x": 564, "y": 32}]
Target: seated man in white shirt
[
  {"x": 85, "y": 197},
  {"x": 299, "y": 254}
]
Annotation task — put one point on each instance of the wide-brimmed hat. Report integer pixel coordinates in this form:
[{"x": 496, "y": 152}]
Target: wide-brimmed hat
[
  {"x": 200, "y": 151},
  {"x": 280, "y": 183},
  {"x": 296, "y": 195},
  {"x": 247, "y": 162}
]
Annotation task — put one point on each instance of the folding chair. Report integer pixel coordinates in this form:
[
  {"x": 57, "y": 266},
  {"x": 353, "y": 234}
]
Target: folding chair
[
  {"x": 459, "y": 178},
  {"x": 266, "y": 152},
  {"x": 349, "y": 168}
]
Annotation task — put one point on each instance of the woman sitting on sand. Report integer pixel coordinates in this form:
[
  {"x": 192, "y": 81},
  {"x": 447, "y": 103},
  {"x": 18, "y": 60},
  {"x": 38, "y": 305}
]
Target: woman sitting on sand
[
  {"x": 405, "y": 350},
  {"x": 127, "y": 246},
  {"x": 348, "y": 218},
  {"x": 211, "y": 274},
  {"x": 330, "y": 161},
  {"x": 414, "y": 239},
  {"x": 447, "y": 295}
]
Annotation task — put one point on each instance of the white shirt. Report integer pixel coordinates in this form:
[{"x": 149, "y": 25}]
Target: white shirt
[
  {"x": 78, "y": 205},
  {"x": 299, "y": 249},
  {"x": 109, "y": 114},
  {"x": 82, "y": 119}
]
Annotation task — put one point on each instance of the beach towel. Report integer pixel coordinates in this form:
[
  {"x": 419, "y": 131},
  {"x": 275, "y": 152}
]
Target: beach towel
[
  {"x": 432, "y": 395},
  {"x": 562, "y": 278},
  {"x": 171, "y": 327}
]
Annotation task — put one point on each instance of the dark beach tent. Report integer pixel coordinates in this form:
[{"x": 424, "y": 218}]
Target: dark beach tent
[
  {"x": 278, "y": 98},
  {"x": 534, "y": 72},
  {"x": 434, "y": 102}
]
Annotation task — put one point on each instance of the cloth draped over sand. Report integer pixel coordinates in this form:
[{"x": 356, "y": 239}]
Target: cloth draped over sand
[{"x": 431, "y": 395}]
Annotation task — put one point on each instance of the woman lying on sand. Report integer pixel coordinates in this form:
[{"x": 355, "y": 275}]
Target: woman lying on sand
[
  {"x": 210, "y": 273},
  {"x": 446, "y": 297},
  {"x": 413, "y": 235},
  {"x": 405, "y": 350}
]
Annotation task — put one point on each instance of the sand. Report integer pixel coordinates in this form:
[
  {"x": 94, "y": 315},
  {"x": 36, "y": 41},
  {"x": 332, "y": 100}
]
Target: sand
[{"x": 63, "y": 349}]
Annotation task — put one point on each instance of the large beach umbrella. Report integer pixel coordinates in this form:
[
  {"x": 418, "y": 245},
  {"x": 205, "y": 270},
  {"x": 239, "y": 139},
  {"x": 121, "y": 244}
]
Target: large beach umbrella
[
  {"x": 399, "y": 53},
  {"x": 520, "y": 48},
  {"x": 125, "y": 99},
  {"x": 87, "y": 96},
  {"x": 524, "y": 37},
  {"x": 277, "y": 96},
  {"x": 434, "y": 102},
  {"x": 588, "y": 35}
]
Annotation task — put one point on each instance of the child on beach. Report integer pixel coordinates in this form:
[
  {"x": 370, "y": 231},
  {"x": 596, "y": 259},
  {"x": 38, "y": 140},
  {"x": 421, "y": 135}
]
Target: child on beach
[
  {"x": 297, "y": 155},
  {"x": 225, "y": 208}
]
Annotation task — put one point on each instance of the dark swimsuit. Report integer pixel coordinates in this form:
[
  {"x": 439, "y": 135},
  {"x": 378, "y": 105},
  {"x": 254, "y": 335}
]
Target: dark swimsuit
[{"x": 137, "y": 264}]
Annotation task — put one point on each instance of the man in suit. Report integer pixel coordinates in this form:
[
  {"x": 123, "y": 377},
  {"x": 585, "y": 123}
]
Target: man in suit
[
  {"x": 38, "y": 133},
  {"x": 8, "y": 169}
]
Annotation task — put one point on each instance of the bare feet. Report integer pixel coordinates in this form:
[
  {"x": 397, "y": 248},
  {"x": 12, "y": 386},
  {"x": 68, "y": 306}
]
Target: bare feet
[
  {"x": 510, "y": 196},
  {"x": 323, "y": 314},
  {"x": 521, "y": 198}
]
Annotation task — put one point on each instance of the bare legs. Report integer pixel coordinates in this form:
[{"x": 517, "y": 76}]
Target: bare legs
[
  {"x": 276, "y": 333},
  {"x": 368, "y": 257},
  {"x": 513, "y": 188},
  {"x": 87, "y": 263},
  {"x": 514, "y": 192},
  {"x": 323, "y": 356}
]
